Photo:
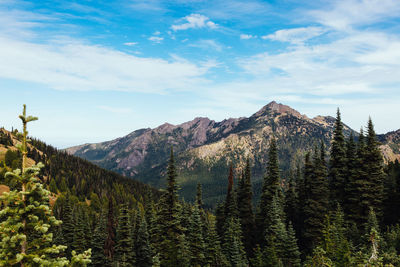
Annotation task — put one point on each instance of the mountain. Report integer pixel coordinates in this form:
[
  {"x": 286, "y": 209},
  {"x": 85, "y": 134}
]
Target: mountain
[{"x": 204, "y": 148}]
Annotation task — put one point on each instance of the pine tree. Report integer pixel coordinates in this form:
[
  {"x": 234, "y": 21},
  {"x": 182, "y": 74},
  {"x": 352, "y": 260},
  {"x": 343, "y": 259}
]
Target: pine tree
[
  {"x": 276, "y": 234},
  {"x": 172, "y": 241},
  {"x": 68, "y": 226},
  {"x": 232, "y": 244},
  {"x": 98, "y": 241},
  {"x": 214, "y": 255},
  {"x": 144, "y": 254},
  {"x": 317, "y": 202},
  {"x": 230, "y": 201},
  {"x": 220, "y": 218},
  {"x": 245, "y": 209},
  {"x": 291, "y": 200},
  {"x": 124, "y": 248},
  {"x": 292, "y": 253},
  {"x": 79, "y": 233},
  {"x": 352, "y": 199},
  {"x": 270, "y": 187},
  {"x": 337, "y": 163},
  {"x": 195, "y": 239},
  {"x": 374, "y": 165},
  {"x": 25, "y": 228},
  {"x": 110, "y": 231}
]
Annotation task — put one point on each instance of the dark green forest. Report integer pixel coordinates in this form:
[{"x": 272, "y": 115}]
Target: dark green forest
[{"x": 334, "y": 209}]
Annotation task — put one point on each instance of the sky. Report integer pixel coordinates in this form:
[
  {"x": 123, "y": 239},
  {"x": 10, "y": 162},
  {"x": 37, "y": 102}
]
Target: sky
[{"x": 93, "y": 71}]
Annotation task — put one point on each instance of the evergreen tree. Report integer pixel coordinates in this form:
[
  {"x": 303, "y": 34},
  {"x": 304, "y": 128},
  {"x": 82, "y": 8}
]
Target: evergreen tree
[
  {"x": 68, "y": 226},
  {"x": 276, "y": 234},
  {"x": 144, "y": 254},
  {"x": 291, "y": 200},
  {"x": 292, "y": 253},
  {"x": 362, "y": 185},
  {"x": 245, "y": 209},
  {"x": 374, "y": 165},
  {"x": 98, "y": 241},
  {"x": 79, "y": 233},
  {"x": 214, "y": 255},
  {"x": 172, "y": 241},
  {"x": 26, "y": 220},
  {"x": 317, "y": 202},
  {"x": 270, "y": 188},
  {"x": 220, "y": 218},
  {"x": 337, "y": 163},
  {"x": 124, "y": 249},
  {"x": 352, "y": 199},
  {"x": 230, "y": 201},
  {"x": 232, "y": 243},
  {"x": 195, "y": 239}
]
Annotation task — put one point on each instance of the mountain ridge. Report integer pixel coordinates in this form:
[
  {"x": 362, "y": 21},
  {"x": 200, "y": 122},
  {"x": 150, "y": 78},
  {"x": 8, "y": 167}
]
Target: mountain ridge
[{"x": 204, "y": 148}]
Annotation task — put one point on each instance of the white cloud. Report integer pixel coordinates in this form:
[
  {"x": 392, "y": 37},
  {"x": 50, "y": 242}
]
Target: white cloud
[
  {"x": 76, "y": 66},
  {"x": 156, "y": 33},
  {"x": 208, "y": 44},
  {"x": 247, "y": 36},
  {"x": 156, "y": 39},
  {"x": 296, "y": 35},
  {"x": 116, "y": 110},
  {"x": 194, "y": 21},
  {"x": 130, "y": 43},
  {"x": 343, "y": 15}
]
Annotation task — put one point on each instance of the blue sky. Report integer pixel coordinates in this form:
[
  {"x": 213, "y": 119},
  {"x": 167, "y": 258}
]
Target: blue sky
[{"x": 96, "y": 70}]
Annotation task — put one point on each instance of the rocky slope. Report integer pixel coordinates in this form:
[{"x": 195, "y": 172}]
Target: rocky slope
[{"x": 205, "y": 148}]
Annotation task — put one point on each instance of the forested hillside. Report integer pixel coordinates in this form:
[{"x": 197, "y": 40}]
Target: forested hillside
[{"x": 333, "y": 210}]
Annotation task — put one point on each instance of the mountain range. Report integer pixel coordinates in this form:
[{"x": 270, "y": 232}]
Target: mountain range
[{"x": 205, "y": 148}]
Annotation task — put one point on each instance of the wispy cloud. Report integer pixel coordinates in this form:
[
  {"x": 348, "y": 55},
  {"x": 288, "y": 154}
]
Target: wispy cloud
[
  {"x": 131, "y": 43},
  {"x": 194, "y": 21},
  {"x": 247, "y": 36},
  {"x": 343, "y": 15},
  {"x": 156, "y": 39},
  {"x": 296, "y": 35},
  {"x": 208, "y": 44},
  {"x": 117, "y": 110}
]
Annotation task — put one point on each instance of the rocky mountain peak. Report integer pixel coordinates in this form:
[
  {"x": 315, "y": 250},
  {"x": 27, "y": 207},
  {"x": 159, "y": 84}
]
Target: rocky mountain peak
[{"x": 279, "y": 108}]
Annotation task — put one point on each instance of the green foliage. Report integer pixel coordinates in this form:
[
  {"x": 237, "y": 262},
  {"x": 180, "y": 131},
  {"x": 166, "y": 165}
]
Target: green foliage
[
  {"x": 245, "y": 209},
  {"x": 337, "y": 163},
  {"x": 317, "y": 197},
  {"x": 124, "y": 248},
  {"x": 270, "y": 188},
  {"x": 26, "y": 219}
]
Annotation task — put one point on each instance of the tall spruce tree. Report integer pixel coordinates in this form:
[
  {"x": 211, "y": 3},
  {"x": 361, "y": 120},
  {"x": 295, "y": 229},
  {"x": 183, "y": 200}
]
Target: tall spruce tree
[
  {"x": 270, "y": 187},
  {"x": 230, "y": 200},
  {"x": 317, "y": 202},
  {"x": 124, "y": 248},
  {"x": 195, "y": 239},
  {"x": 214, "y": 255},
  {"x": 98, "y": 240},
  {"x": 275, "y": 233},
  {"x": 337, "y": 163},
  {"x": 374, "y": 165},
  {"x": 245, "y": 209},
  {"x": 292, "y": 253},
  {"x": 144, "y": 252},
  {"x": 232, "y": 244},
  {"x": 172, "y": 240},
  {"x": 25, "y": 228},
  {"x": 352, "y": 199}
]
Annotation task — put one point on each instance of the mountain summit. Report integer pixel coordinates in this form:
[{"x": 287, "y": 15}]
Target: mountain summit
[{"x": 205, "y": 148}]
